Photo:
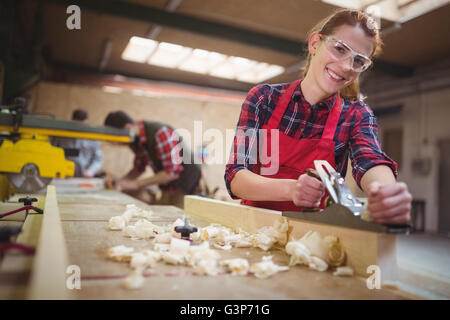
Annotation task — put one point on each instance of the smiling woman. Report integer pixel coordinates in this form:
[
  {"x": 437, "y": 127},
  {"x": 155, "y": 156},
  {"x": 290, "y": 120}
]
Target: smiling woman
[{"x": 319, "y": 117}]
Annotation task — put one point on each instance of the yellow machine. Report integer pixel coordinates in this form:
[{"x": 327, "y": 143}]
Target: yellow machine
[
  {"x": 31, "y": 157},
  {"x": 29, "y": 160}
]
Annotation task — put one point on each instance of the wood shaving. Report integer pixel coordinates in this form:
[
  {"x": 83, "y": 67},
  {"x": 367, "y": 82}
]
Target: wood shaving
[
  {"x": 266, "y": 268},
  {"x": 132, "y": 211},
  {"x": 336, "y": 253},
  {"x": 144, "y": 229},
  {"x": 318, "y": 264},
  {"x": 210, "y": 232},
  {"x": 163, "y": 237},
  {"x": 179, "y": 246},
  {"x": 172, "y": 258},
  {"x": 117, "y": 223},
  {"x": 266, "y": 237},
  {"x": 177, "y": 253},
  {"x": 134, "y": 281},
  {"x": 120, "y": 253},
  {"x": 226, "y": 247},
  {"x": 203, "y": 259},
  {"x": 328, "y": 249},
  {"x": 343, "y": 272},
  {"x": 238, "y": 266},
  {"x": 144, "y": 259},
  {"x": 262, "y": 240},
  {"x": 300, "y": 254},
  {"x": 161, "y": 247},
  {"x": 316, "y": 252},
  {"x": 243, "y": 243}
]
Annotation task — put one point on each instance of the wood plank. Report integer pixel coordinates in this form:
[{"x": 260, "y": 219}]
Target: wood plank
[
  {"x": 48, "y": 279},
  {"x": 13, "y": 262},
  {"x": 363, "y": 248}
]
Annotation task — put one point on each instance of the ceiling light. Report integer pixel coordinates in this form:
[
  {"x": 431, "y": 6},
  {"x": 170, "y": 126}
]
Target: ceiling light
[
  {"x": 261, "y": 72},
  {"x": 169, "y": 55},
  {"x": 138, "y": 49},
  {"x": 202, "y": 61},
  {"x": 175, "y": 56}
]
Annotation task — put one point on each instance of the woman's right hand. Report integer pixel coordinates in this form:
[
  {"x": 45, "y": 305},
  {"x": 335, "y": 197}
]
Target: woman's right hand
[{"x": 307, "y": 191}]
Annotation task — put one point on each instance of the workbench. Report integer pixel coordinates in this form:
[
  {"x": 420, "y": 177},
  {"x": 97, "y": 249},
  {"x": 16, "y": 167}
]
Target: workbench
[{"x": 86, "y": 237}]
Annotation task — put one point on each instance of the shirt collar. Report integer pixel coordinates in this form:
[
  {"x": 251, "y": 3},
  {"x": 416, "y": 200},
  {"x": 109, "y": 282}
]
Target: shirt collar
[{"x": 327, "y": 102}]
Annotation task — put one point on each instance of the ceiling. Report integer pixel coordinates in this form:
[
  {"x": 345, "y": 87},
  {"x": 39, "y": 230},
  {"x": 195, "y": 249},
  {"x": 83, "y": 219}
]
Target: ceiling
[{"x": 221, "y": 26}]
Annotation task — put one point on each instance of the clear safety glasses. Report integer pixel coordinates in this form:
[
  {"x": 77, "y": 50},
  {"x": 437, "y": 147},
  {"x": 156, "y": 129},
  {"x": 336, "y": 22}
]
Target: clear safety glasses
[{"x": 342, "y": 51}]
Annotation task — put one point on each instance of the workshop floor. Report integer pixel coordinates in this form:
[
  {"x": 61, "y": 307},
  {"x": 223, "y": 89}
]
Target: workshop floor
[{"x": 426, "y": 256}]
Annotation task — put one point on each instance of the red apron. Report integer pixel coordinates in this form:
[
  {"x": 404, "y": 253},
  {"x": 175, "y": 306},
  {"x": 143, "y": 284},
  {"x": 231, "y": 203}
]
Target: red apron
[{"x": 295, "y": 156}]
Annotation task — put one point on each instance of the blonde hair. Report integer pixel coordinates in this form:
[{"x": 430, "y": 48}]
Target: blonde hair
[{"x": 354, "y": 18}]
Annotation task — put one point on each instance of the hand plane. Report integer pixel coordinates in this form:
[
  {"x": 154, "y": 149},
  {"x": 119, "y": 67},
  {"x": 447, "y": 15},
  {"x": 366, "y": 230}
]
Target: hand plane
[{"x": 343, "y": 208}]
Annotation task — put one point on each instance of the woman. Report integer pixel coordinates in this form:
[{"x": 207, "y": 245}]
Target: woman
[{"x": 319, "y": 117}]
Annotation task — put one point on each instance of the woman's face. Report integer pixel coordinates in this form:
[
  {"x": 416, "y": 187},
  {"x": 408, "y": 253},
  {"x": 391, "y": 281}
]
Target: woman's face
[{"x": 332, "y": 75}]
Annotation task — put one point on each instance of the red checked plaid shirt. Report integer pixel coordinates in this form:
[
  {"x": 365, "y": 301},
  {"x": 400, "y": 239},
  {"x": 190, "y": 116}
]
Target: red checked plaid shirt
[
  {"x": 356, "y": 133},
  {"x": 164, "y": 145}
]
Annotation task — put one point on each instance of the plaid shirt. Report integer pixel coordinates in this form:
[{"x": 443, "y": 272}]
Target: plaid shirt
[
  {"x": 355, "y": 136},
  {"x": 164, "y": 146}
]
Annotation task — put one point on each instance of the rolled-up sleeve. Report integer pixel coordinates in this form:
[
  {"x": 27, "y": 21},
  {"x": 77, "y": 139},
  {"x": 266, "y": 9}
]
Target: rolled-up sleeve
[
  {"x": 365, "y": 147},
  {"x": 243, "y": 154}
]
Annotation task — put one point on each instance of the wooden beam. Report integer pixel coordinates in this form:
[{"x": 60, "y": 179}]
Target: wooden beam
[
  {"x": 48, "y": 279},
  {"x": 363, "y": 248}
]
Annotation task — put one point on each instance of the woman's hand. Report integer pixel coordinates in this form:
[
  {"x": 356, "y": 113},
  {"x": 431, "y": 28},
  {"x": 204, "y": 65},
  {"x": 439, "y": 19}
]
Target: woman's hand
[
  {"x": 390, "y": 204},
  {"x": 307, "y": 191}
]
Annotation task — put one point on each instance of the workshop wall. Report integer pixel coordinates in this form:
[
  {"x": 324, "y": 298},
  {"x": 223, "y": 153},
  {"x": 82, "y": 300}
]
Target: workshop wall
[
  {"x": 180, "y": 112},
  {"x": 424, "y": 121}
]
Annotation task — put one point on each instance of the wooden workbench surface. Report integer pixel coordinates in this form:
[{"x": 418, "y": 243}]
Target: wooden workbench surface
[
  {"x": 85, "y": 224},
  {"x": 85, "y": 216}
]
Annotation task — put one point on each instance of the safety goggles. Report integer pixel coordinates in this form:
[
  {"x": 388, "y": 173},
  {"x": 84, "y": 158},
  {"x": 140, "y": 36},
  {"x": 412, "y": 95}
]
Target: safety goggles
[{"x": 342, "y": 51}]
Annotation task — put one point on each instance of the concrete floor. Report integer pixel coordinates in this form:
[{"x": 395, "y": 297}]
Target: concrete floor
[{"x": 424, "y": 264}]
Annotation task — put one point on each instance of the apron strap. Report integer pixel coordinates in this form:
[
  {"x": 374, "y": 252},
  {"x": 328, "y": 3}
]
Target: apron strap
[
  {"x": 280, "y": 108},
  {"x": 333, "y": 119}
]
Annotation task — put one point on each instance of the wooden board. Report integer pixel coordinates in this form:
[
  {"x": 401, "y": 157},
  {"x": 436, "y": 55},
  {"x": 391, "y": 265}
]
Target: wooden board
[
  {"x": 48, "y": 278},
  {"x": 363, "y": 248}
]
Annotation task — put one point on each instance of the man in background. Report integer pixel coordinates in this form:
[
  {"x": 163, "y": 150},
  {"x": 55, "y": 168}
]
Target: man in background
[
  {"x": 155, "y": 146},
  {"x": 90, "y": 157}
]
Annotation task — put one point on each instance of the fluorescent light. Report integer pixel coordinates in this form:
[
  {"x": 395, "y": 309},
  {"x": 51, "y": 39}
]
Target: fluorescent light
[
  {"x": 139, "y": 49},
  {"x": 261, "y": 72},
  {"x": 224, "y": 70},
  {"x": 169, "y": 55},
  {"x": 202, "y": 61},
  {"x": 175, "y": 56}
]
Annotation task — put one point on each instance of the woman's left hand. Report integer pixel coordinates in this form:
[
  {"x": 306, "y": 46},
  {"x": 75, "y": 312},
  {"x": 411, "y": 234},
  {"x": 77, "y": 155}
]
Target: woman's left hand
[{"x": 389, "y": 204}]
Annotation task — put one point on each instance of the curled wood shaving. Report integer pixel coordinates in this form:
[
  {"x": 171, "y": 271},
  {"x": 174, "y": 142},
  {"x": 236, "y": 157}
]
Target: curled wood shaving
[
  {"x": 238, "y": 266},
  {"x": 343, "y": 272},
  {"x": 266, "y": 268},
  {"x": 134, "y": 281},
  {"x": 120, "y": 253}
]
